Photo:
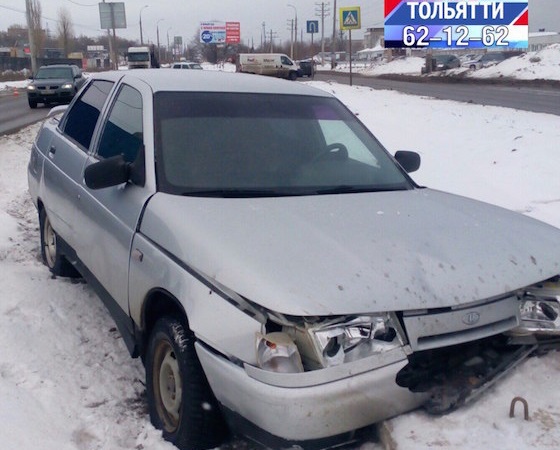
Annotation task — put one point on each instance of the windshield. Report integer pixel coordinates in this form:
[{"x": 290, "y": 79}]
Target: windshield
[
  {"x": 226, "y": 144},
  {"x": 139, "y": 56},
  {"x": 54, "y": 72}
]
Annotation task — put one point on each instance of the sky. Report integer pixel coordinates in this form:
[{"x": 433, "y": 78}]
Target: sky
[
  {"x": 182, "y": 18},
  {"x": 65, "y": 369}
]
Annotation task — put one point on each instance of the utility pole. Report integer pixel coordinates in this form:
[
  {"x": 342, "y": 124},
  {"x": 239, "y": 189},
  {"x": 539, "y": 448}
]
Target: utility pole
[
  {"x": 333, "y": 44},
  {"x": 141, "y": 36},
  {"x": 294, "y": 40},
  {"x": 322, "y": 13},
  {"x": 31, "y": 36}
]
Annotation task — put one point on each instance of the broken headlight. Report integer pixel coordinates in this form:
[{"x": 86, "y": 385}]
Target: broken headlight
[
  {"x": 540, "y": 309},
  {"x": 333, "y": 342}
]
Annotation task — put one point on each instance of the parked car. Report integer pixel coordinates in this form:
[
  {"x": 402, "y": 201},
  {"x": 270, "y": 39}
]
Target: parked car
[
  {"x": 468, "y": 57},
  {"x": 277, "y": 270},
  {"x": 186, "y": 65},
  {"x": 445, "y": 62},
  {"x": 57, "y": 83},
  {"x": 306, "y": 68},
  {"x": 485, "y": 60}
]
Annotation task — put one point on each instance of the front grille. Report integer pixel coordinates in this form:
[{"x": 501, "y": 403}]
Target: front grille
[{"x": 445, "y": 327}]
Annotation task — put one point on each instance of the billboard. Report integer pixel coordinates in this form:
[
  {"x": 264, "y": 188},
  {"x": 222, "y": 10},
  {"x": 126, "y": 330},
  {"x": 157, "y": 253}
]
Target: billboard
[{"x": 216, "y": 32}]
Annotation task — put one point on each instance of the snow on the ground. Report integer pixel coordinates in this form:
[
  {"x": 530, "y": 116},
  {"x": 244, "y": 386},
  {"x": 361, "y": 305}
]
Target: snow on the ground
[
  {"x": 543, "y": 64},
  {"x": 67, "y": 382}
]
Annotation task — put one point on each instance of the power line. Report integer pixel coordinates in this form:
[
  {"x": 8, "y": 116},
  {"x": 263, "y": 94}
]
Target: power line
[
  {"x": 81, "y": 4},
  {"x": 43, "y": 17},
  {"x": 12, "y": 9}
]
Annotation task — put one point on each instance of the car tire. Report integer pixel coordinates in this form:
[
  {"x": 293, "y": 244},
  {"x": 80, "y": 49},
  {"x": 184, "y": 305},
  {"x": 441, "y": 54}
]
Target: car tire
[
  {"x": 293, "y": 76},
  {"x": 50, "y": 251},
  {"x": 32, "y": 104},
  {"x": 180, "y": 400}
]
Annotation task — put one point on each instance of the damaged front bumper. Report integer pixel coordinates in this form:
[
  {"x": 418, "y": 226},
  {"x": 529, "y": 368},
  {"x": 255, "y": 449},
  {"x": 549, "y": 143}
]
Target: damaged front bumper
[{"x": 458, "y": 374}]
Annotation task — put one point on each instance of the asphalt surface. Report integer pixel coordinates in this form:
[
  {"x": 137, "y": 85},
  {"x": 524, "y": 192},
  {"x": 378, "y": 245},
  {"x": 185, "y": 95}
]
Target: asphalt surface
[
  {"x": 16, "y": 114},
  {"x": 536, "y": 96}
]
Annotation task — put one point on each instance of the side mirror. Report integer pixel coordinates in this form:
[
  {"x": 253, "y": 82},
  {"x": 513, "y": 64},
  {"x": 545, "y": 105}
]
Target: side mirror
[
  {"x": 409, "y": 161},
  {"x": 106, "y": 173}
]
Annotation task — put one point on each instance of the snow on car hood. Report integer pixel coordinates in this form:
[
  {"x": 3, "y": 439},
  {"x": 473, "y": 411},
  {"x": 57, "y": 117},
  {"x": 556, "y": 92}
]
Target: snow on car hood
[{"x": 355, "y": 253}]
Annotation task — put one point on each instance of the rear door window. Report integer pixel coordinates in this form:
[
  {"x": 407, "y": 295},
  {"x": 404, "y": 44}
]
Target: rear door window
[{"x": 80, "y": 120}]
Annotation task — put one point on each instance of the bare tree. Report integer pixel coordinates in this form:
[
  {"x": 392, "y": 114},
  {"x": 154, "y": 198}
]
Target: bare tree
[
  {"x": 36, "y": 36},
  {"x": 65, "y": 30},
  {"x": 38, "y": 32}
]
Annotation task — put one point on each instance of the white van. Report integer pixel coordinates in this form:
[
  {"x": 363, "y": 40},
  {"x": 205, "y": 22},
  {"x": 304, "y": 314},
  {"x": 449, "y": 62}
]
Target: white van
[{"x": 271, "y": 64}]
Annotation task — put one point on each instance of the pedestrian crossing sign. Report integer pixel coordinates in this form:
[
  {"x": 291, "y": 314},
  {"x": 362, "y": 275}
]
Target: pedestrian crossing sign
[{"x": 350, "y": 18}]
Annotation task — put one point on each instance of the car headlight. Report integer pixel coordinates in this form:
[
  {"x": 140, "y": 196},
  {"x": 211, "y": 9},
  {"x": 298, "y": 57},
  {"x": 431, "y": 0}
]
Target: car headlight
[
  {"x": 332, "y": 342},
  {"x": 31, "y": 87},
  {"x": 67, "y": 86},
  {"x": 540, "y": 309},
  {"x": 277, "y": 352}
]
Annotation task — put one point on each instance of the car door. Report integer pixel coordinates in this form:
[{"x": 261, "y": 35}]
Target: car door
[
  {"x": 108, "y": 217},
  {"x": 66, "y": 156}
]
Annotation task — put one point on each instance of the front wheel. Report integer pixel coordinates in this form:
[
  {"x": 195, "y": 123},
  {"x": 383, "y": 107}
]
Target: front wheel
[
  {"x": 32, "y": 103},
  {"x": 180, "y": 400}
]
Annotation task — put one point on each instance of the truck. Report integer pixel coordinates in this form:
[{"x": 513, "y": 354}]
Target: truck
[
  {"x": 271, "y": 64},
  {"x": 143, "y": 57}
]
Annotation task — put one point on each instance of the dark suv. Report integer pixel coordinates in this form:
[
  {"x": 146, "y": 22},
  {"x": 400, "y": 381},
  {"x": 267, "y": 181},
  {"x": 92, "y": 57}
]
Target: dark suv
[{"x": 54, "y": 84}]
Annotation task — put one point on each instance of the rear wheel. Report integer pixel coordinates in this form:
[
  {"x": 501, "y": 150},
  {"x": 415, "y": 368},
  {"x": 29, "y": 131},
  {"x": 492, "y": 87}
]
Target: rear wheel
[
  {"x": 50, "y": 251},
  {"x": 180, "y": 400}
]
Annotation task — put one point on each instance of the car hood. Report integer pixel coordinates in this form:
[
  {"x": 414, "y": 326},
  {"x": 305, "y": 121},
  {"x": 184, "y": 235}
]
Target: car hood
[
  {"x": 355, "y": 253},
  {"x": 50, "y": 81}
]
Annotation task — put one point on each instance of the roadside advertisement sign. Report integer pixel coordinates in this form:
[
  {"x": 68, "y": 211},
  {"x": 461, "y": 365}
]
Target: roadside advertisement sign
[
  {"x": 460, "y": 24},
  {"x": 216, "y": 32},
  {"x": 233, "y": 32}
]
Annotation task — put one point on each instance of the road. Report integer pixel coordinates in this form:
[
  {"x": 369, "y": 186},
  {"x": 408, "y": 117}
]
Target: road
[
  {"x": 528, "y": 98},
  {"x": 15, "y": 112}
]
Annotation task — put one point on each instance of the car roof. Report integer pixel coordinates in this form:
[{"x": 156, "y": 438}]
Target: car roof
[{"x": 161, "y": 80}]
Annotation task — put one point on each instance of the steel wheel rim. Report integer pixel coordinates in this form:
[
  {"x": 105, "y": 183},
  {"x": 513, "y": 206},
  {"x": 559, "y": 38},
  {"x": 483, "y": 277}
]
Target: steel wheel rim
[
  {"x": 49, "y": 237},
  {"x": 169, "y": 386}
]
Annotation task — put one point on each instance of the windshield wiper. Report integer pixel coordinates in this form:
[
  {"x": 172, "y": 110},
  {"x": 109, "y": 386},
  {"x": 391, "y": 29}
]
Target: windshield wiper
[
  {"x": 347, "y": 189},
  {"x": 238, "y": 193}
]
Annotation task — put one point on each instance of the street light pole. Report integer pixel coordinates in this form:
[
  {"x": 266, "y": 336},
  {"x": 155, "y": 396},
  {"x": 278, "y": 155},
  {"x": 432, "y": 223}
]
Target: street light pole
[
  {"x": 157, "y": 34},
  {"x": 294, "y": 55},
  {"x": 168, "y": 48},
  {"x": 141, "y": 37}
]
